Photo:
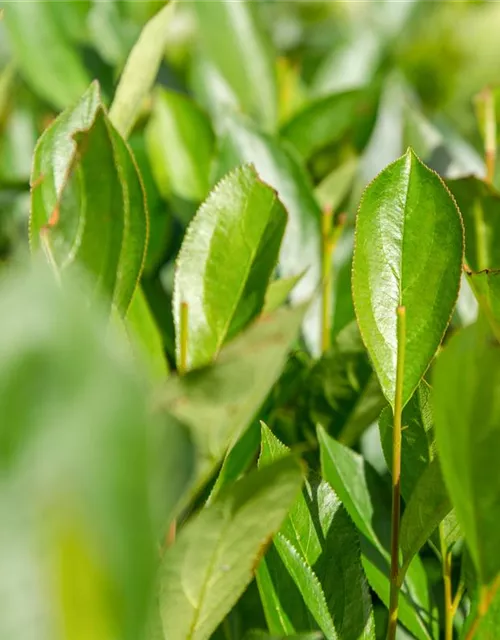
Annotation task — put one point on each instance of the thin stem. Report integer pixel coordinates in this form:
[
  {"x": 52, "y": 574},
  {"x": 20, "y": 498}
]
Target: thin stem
[
  {"x": 396, "y": 474},
  {"x": 486, "y": 100},
  {"x": 183, "y": 337},
  {"x": 326, "y": 278},
  {"x": 330, "y": 234},
  {"x": 458, "y": 597},
  {"x": 448, "y": 602}
]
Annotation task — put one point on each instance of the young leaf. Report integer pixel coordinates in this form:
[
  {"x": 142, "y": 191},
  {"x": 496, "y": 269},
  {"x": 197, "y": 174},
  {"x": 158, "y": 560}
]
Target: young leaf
[
  {"x": 227, "y": 257},
  {"x": 279, "y": 168},
  {"x": 278, "y": 291},
  {"x": 180, "y": 144},
  {"x": 215, "y": 555},
  {"x": 140, "y": 71},
  {"x": 237, "y": 43},
  {"x": 408, "y": 252},
  {"x": 218, "y": 403},
  {"x": 467, "y": 415},
  {"x": 89, "y": 208},
  {"x": 320, "y": 548}
]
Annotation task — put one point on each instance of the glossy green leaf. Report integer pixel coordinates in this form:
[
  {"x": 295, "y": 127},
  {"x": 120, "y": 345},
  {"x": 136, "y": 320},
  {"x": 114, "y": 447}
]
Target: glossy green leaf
[
  {"x": 227, "y": 257},
  {"x": 219, "y": 402},
  {"x": 140, "y": 71},
  {"x": 320, "y": 548},
  {"x": 45, "y": 55},
  {"x": 325, "y": 121},
  {"x": 235, "y": 40},
  {"x": 85, "y": 526},
  {"x": 479, "y": 204},
  {"x": 486, "y": 288},
  {"x": 428, "y": 506},
  {"x": 89, "y": 208},
  {"x": 216, "y": 554},
  {"x": 408, "y": 252},
  {"x": 467, "y": 415},
  {"x": 279, "y": 168},
  {"x": 180, "y": 144}
]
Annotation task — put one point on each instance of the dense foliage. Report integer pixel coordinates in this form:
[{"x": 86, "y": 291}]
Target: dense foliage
[{"x": 249, "y": 340}]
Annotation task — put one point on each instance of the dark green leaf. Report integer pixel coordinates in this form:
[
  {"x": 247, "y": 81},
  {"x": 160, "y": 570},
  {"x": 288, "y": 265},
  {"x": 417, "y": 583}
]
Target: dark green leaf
[
  {"x": 227, "y": 257},
  {"x": 428, "y": 506},
  {"x": 203, "y": 574},
  {"x": 236, "y": 42},
  {"x": 467, "y": 416},
  {"x": 320, "y": 548},
  {"x": 409, "y": 248}
]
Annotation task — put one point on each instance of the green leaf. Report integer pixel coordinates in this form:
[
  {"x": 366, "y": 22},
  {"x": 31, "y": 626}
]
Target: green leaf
[
  {"x": 428, "y": 506},
  {"x": 408, "y": 252},
  {"x": 467, "y": 415},
  {"x": 308, "y": 585},
  {"x": 77, "y": 469},
  {"x": 46, "y": 57},
  {"x": 278, "y": 291},
  {"x": 359, "y": 488},
  {"x": 235, "y": 40},
  {"x": 411, "y": 605},
  {"x": 89, "y": 208},
  {"x": 146, "y": 336},
  {"x": 417, "y": 438},
  {"x": 320, "y": 548},
  {"x": 180, "y": 145},
  {"x": 226, "y": 260},
  {"x": 326, "y": 121},
  {"x": 332, "y": 190},
  {"x": 263, "y": 635},
  {"x": 486, "y": 288},
  {"x": 226, "y": 397},
  {"x": 367, "y": 500},
  {"x": 216, "y": 554},
  {"x": 279, "y": 168},
  {"x": 479, "y": 204},
  {"x": 344, "y": 395},
  {"x": 140, "y": 71}
]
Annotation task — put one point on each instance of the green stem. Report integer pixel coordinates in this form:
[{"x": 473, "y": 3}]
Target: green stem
[
  {"x": 183, "y": 337},
  {"x": 330, "y": 235},
  {"x": 396, "y": 474},
  {"x": 326, "y": 278},
  {"x": 448, "y": 601},
  {"x": 486, "y": 102}
]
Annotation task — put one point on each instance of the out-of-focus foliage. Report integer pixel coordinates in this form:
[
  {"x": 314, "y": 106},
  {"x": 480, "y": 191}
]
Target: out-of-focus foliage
[{"x": 191, "y": 172}]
